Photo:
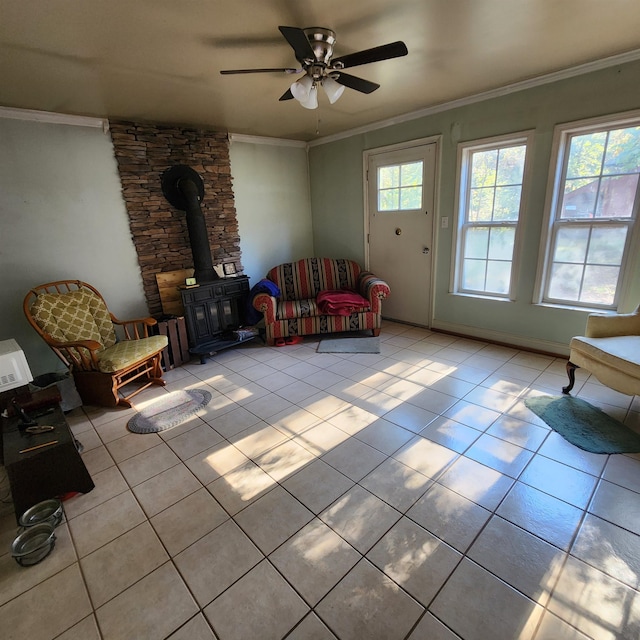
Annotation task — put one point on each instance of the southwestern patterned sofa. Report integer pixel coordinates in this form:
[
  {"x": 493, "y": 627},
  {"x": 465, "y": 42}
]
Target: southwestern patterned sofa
[{"x": 296, "y": 311}]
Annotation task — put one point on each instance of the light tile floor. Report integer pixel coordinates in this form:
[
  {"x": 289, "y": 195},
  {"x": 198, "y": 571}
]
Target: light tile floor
[{"x": 409, "y": 494}]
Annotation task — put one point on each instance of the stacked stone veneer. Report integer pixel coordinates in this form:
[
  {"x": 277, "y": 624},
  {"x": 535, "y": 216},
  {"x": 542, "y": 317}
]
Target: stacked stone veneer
[{"x": 159, "y": 230}]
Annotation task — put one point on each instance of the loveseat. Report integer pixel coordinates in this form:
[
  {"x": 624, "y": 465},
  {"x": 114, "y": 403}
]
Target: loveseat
[
  {"x": 610, "y": 350},
  {"x": 296, "y": 310}
]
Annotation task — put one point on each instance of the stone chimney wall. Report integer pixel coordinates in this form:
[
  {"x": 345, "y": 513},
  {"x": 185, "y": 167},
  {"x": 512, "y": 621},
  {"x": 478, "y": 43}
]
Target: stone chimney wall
[{"x": 159, "y": 231}]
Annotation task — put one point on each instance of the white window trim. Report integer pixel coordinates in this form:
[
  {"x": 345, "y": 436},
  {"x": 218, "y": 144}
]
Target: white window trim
[
  {"x": 561, "y": 133},
  {"x": 521, "y": 137}
]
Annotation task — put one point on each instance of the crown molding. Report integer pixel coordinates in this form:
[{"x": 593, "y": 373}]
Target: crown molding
[
  {"x": 54, "y": 118},
  {"x": 589, "y": 67},
  {"x": 276, "y": 142}
]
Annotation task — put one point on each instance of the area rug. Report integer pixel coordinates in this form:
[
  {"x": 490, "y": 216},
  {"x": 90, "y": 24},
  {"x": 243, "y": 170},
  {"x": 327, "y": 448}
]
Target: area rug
[
  {"x": 174, "y": 409},
  {"x": 584, "y": 425},
  {"x": 349, "y": 345}
]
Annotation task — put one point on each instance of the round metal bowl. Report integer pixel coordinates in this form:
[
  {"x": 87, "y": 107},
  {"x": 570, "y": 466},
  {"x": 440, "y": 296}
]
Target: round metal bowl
[
  {"x": 33, "y": 544},
  {"x": 49, "y": 511}
]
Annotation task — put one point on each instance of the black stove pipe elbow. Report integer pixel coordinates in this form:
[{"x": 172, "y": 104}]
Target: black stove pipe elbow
[{"x": 184, "y": 189}]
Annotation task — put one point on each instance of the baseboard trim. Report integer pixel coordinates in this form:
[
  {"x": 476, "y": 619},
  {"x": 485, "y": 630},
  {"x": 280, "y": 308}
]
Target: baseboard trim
[{"x": 548, "y": 347}]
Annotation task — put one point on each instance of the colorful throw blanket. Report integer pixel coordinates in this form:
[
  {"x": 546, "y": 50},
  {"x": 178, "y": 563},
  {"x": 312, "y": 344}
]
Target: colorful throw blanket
[{"x": 340, "y": 302}]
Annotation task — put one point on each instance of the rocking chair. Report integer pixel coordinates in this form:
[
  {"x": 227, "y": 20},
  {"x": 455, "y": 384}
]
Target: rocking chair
[{"x": 72, "y": 318}]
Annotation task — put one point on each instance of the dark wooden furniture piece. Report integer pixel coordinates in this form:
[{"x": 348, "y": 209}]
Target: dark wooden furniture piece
[
  {"x": 213, "y": 311},
  {"x": 73, "y": 319},
  {"x": 45, "y": 465},
  {"x": 177, "y": 351}
]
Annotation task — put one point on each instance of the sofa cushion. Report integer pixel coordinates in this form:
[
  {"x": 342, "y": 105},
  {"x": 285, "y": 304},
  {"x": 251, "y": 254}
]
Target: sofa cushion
[
  {"x": 296, "y": 309},
  {"x": 619, "y": 352},
  {"x": 305, "y": 279}
]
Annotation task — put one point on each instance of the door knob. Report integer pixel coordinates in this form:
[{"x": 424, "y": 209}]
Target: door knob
[{"x": 426, "y": 250}]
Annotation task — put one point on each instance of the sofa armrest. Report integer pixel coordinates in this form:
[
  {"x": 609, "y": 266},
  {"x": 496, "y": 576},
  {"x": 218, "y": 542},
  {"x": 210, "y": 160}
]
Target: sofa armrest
[
  {"x": 266, "y": 304},
  {"x": 600, "y": 325},
  {"x": 373, "y": 289}
]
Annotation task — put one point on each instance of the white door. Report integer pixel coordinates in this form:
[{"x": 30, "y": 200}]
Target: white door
[{"x": 401, "y": 200}]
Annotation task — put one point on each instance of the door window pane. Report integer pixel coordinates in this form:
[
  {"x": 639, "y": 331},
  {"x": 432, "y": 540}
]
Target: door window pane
[{"x": 400, "y": 187}]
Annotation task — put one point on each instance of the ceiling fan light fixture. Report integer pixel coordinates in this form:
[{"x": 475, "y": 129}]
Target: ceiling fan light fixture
[
  {"x": 333, "y": 89},
  {"x": 305, "y": 92},
  {"x": 301, "y": 89},
  {"x": 312, "y": 101}
]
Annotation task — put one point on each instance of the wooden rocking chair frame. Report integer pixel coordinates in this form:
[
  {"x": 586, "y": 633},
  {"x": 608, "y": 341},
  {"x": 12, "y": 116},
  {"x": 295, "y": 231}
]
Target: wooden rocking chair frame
[{"x": 81, "y": 357}]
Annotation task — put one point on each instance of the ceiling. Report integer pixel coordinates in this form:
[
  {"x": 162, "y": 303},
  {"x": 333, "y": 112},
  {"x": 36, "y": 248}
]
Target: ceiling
[{"x": 159, "y": 60}]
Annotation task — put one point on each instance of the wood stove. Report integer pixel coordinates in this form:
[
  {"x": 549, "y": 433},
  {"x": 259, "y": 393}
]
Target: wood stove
[
  {"x": 214, "y": 311},
  {"x": 214, "y": 307}
]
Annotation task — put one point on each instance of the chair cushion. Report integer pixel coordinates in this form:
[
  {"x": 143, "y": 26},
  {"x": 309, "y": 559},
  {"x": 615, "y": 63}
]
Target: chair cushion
[
  {"x": 128, "y": 352},
  {"x": 74, "y": 315},
  {"x": 620, "y": 352}
]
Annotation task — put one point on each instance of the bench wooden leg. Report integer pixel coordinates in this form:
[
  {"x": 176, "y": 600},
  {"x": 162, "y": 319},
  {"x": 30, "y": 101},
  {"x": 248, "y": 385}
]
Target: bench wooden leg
[{"x": 571, "y": 372}]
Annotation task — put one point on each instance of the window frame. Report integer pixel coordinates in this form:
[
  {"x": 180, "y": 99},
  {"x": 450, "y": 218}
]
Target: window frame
[
  {"x": 558, "y": 163},
  {"x": 461, "y": 207}
]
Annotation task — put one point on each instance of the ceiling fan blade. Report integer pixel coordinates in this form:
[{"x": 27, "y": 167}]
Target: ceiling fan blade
[
  {"x": 299, "y": 43},
  {"x": 353, "y": 82},
  {"x": 383, "y": 52},
  {"x": 287, "y": 95},
  {"x": 228, "y": 72}
]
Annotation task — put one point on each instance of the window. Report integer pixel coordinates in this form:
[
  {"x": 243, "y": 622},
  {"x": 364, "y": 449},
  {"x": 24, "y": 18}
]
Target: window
[
  {"x": 400, "y": 187},
  {"x": 490, "y": 189},
  {"x": 592, "y": 213}
]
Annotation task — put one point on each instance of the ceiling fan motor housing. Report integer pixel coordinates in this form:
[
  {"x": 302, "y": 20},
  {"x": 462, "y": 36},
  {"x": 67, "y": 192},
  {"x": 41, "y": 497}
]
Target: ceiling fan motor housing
[{"x": 322, "y": 41}]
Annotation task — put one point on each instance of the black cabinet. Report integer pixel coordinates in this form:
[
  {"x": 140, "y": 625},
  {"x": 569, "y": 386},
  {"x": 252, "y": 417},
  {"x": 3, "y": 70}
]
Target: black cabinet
[
  {"x": 42, "y": 466},
  {"x": 213, "y": 311}
]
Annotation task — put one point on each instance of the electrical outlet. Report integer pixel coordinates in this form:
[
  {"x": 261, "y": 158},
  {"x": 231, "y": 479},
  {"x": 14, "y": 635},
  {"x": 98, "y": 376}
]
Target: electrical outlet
[{"x": 445, "y": 223}]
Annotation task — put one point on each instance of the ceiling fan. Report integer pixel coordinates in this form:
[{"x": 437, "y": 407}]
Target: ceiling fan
[{"x": 313, "y": 48}]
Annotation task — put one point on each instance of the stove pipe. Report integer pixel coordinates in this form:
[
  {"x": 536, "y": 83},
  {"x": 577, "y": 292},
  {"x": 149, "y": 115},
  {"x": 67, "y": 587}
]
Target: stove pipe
[{"x": 184, "y": 189}]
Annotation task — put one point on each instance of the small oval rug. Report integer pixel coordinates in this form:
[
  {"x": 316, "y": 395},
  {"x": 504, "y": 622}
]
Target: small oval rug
[{"x": 174, "y": 409}]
